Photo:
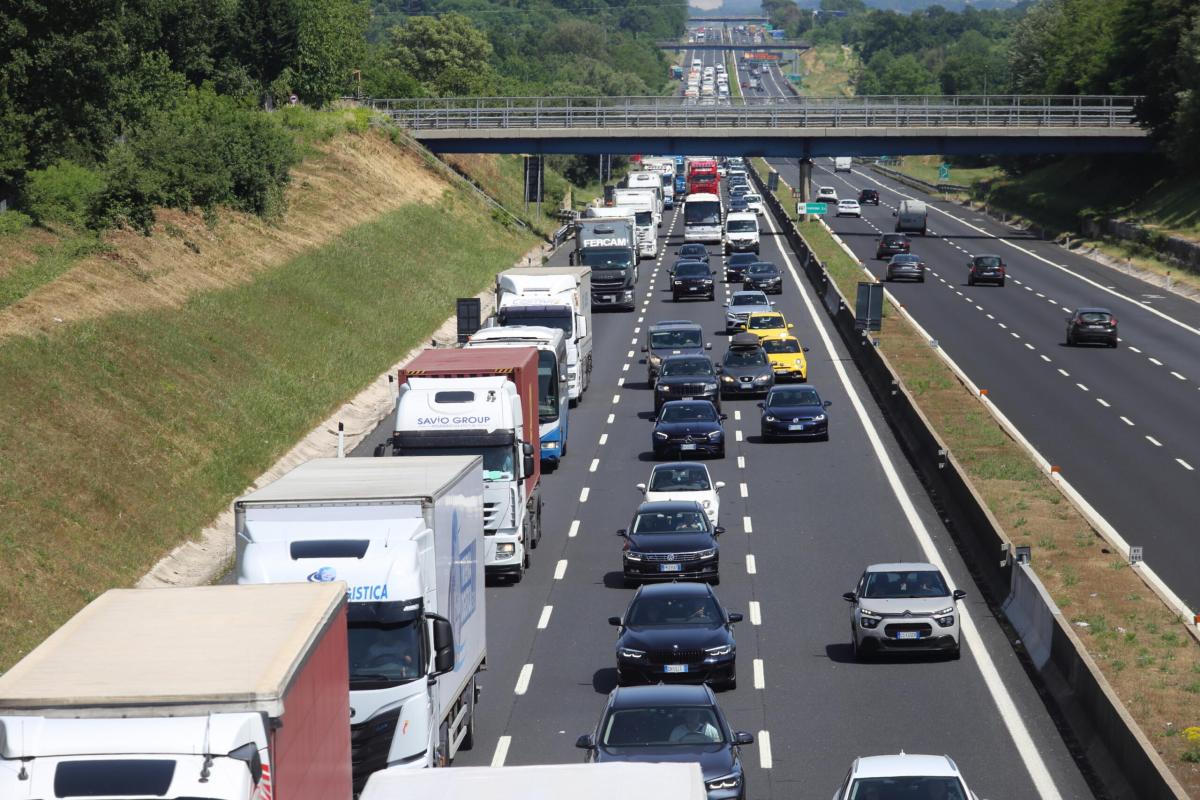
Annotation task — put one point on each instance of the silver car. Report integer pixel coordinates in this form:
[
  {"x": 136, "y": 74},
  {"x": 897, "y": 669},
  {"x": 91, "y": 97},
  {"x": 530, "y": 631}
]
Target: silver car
[
  {"x": 904, "y": 607},
  {"x": 741, "y": 305}
]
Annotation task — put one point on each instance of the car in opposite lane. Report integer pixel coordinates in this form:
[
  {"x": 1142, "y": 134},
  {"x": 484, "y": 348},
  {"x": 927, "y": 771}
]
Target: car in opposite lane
[
  {"x": 691, "y": 427},
  {"x": 986, "y": 269},
  {"x": 891, "y": 244},
  {"x": 902, "y": 607},
  {"x": 671, "y": 723},
  {"x": 676, "y": 632},
  {"x": 868, "y": 197},
  {"x": 686, "y": 378},
  {"x": 693, "y": 279},
  {"x": 827, "y": 194},
  {"x": 684, "y": 480},
  {"x": 849, "y": 208},
  {"x": 741, "y": 305},
  {"x": 671, "y": 337},
  {"x": 903, "y": 776},
  {"x": 905, "y": 265},
  {"x": 764, "y": 276},
  {"x": 787, "y": 358},
  {"x": 1095, "y": 325},
  {"x": 794, "y": 412},
  {"x": 670, "y": 540}
]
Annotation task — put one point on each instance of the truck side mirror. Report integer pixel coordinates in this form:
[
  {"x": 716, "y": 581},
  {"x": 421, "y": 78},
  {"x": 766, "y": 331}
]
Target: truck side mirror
[
  {"x": 248, "y": 753},
  {"x": 443, "y": 645},
  {"x": 527, "y": 459},
  {"x": 571, "y": 258}
]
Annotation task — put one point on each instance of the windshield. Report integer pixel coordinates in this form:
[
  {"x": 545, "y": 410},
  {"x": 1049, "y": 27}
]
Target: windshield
[
  {"x": 705, "y": 212},
  {"x": 745, "y": 357},
  {"x": 749, "y": 300},
  {"x": 781, "y": 346},
  {"x": 643, "y": 218},
  {"x": 680, "y": 479},
  {"x": 548, "y": 386},
  {"x": 742, "y": 226},
  {"x": 611, "y": 257},
  {"x": 689, "y": 412},
  {"x": 794, "y": 397},
  {"x": 762, "y": 269},
  {"x": 661, "y": 727},
  {"x": 906, "y": 585},
  {"x": 692, "y": 270},
  {"x": 668, "y": 340},
  {"x": 765, "y": 323},
  {"x": 909, "y": 787},
  {"x": 1093, "y": 317},
  {"x": 515, "y": 315},
  {"x": 497, "y": 461},
  {"x": 685, "y": 521},
  {"x": 384, "y": 655},
  {"x": 987, "y": 261},
  {"x": 701, "y": 610},
  {"x": 686, "y": 366},
  {"x": 693, "y": 251}
]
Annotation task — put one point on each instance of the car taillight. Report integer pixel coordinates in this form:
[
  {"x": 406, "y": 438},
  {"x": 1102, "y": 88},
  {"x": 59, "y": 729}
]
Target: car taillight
[
  {"x": 1112, "y": 322},
  {"x": 1001, "y": 269}
]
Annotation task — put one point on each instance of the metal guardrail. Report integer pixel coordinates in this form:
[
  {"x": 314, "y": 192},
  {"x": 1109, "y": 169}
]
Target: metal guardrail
[{"x": 966, "y": 111}]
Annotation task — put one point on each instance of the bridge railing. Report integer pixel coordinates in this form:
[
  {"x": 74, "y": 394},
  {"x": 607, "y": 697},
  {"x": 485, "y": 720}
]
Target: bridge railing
[{"x": 960, "y": 111}]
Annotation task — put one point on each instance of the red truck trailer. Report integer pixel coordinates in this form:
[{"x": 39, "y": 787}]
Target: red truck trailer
[{"x": 702, "y": 177}]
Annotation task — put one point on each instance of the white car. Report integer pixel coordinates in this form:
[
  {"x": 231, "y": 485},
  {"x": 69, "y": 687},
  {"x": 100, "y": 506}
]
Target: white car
[
  {"x": 684, "y": 480},
  {"x": 753, "y": 203},
  {"x": 827, "y": 194},
  {"x": 903, "y": 776},
  {"x": 849, "y": 208}
]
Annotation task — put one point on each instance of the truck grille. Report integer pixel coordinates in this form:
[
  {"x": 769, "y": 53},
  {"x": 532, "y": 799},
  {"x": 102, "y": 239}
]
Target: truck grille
[
  {"x": 369, "y": 745},
  {"x": 491, "y": 518},
  {"x": 675, "y": 656},
  {"x": 608, "y": 285}
]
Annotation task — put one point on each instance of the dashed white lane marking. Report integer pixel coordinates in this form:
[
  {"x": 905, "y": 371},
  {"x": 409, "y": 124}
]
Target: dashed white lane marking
[
  {"x": 1002, "y": 325},
  {"x": 1014, "y": 334},
  {"x": 583, "y": 494},
  {"x": 745, "y": 490},
  {"x": 737, "y": 414},
  {"x": 1028, "y": 346},
  {"x": 560, "y": 569},
  {"x": 979, "y": 308},
  {"x": 616, "y": 399},
  {"x": 755, "y": 613},
  {"x": 1133, "y": 349},
  {"x": 1127, "y": 421},
  {"x": 573, "y": 531},
  {"x": 747, "y": 525},
  {"x": 523, "y": 679},
  {"x": 544, "y": 619},
  {"x": 737, "y": 435},
  {"x": 1154, "y": 361},
  {"x": 1017, "y": 282},
  {"x": 1185, "y": 465},
  {"x": 625, "y": 368},
  {"x": 620, "y": 382},
  {"x": 989, "y": 316},
  {"x": 1045, "y": 358},
  {"x": 741, "y": 462},
  {"x": 633, "y": 340},
  {"x": 611, "y": 417},
  {"x": 501, "y": 751},
  {"x": 764, "y": 750},
  {"x": 637, "y": 329},
  {"x": 1063, "y": 372},
  {"x": 1103, "y": 402},
  {"x": 603, "y": 439},
  {"x": 595, "y": 464},
  {"x": 629, "y": 354},
  {"x": 639, "y": 320},
  {"x": 1081, "y": 386},
  {"x": 759, "y": 679},
  {"x": 751, "y": 565},
  {"x": 1039, "y": 294},
  {"x": 1153, "y": 441},
  {"x": 1177, "y": 375}
]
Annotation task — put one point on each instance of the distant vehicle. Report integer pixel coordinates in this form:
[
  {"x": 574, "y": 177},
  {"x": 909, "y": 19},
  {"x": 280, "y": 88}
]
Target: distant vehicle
[
  {"x": 890, "y": 244},
  {"x": 986, "y": 269},
  {"x": 741, "y": 305},
  {"x": 904, "y": 607},
  {"x": 794, "y": 412},
  {"x": 671, "y": 723},
  {"x": 764, "y": 276},
  {"x": 787, "y": 358},
  {"x": 905, "y": 265},
  {"x": 870, "y": 196},
  {"x": 1092, "y": 325},
  {"x": 753, "y": 203},
  {"x": 693, "y": 251},
  {"x": 672, "y": 337},
  {"x": 663, "y": 616},
  {"x": 738, "y": 205},
  {"x": 912, "y": 216},
  {"x": 849, "y": 208},
  {"x": 692, "y": 279},
  {"x": 686, "y": 427},
  {"x": 745, "y": 369},
  {"x": 827, "y": 194},
  {"x": 736, "y": 263},
  {"x": 843, "y": 164},
  {"x": 684, "y": 480},
  {"x": 904, "y": 775}
]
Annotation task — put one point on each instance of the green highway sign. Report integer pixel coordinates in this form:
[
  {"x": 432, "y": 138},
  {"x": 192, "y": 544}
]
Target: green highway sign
[{"x": 812, "y": 208}]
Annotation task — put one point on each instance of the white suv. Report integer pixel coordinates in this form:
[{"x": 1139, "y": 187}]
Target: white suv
[
  {"x": 903, "y": 607},
  {"x": 903, "y": 776},
  {"x": 685, "y": 480}
]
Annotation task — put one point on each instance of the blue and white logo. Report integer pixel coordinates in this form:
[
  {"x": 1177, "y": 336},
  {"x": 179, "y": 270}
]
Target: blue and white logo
[
  {"x": 323, "y": 575},
  {"x": 462, "y": 587}
]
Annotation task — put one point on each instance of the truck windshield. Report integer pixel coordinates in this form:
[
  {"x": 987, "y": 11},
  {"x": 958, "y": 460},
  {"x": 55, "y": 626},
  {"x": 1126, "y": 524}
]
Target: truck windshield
[
  {"x": 707, "y": 212},
  {"x": 498, "y": 462},
  {"x": 385, "y": 654},
  {"x": 541, "y": 317},
  {"x": 643, "y": 218},
  {"x": 548, "y": 386},
  {"x": 610, "y": 257}
]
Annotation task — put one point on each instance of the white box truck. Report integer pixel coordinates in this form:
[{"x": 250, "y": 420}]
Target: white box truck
[
  {"x": 215, "y": 692},
  {"x": 911, "y": 217},
  {"x": 557, "y": 297},
  {"x": 406, "y": 537},
  {"x": 642, "y": 202},
  {"x": 843, "y": 164},
  {"x": 661, "y": 781}
]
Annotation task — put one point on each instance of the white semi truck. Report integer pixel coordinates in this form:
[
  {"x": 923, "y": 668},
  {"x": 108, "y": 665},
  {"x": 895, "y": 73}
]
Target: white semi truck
[
  {"x": 406, "y": 537},
  {"x": 557, "y": 297},
  {"x": 642, "y": 203}
]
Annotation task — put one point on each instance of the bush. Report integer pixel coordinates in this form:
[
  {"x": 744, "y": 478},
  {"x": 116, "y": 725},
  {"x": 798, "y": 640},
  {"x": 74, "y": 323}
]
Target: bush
[
  {"x": 62, "y": 192},
  {"x": 14, "y": 222}
]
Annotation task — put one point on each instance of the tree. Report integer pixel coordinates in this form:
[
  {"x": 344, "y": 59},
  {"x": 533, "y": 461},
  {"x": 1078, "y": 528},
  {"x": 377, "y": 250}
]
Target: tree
[
  {"x": 888, "y": 74},
  {"x": 330, "y": 43},
  {"x": 447, "y": 54}
]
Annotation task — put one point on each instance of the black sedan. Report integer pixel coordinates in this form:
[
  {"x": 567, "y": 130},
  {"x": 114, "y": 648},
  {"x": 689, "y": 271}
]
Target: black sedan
[
  {"x": 890, "y": 244},
  {"x": 671, "y": 539},
  {"x": 688, "y": 426},
  {"x": 764, "y": 276},
  {"x": 686, "y": 378},
  {"x": 692, "y": 279},
  {"x": 794, "y": 412},
  {"x": 671, "y": 723},
  {"x": 676, "y": 632},
  {"x": 986, "y": 269},
  {"x": 745, "y": 368},
  {"x": 693, "y": 251},
  {"x": 1097, "y": 325},
  {"x": 905, "y": 265},
  {"x": 735, "y": 265},
  {"x": 868, "y": 197}
]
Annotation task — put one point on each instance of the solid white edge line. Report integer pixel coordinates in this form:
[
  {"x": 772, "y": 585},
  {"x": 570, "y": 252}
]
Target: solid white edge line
[
  {"x": 1039, "y": 773},
  {"x": 501, "y": 751},
  {"x": 544, "y": 619},
  {"x": 523, "y": 679}
]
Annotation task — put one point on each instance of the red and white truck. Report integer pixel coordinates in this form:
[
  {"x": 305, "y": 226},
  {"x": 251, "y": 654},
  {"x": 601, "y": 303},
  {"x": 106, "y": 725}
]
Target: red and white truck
[{"x": 221, "y": 692}]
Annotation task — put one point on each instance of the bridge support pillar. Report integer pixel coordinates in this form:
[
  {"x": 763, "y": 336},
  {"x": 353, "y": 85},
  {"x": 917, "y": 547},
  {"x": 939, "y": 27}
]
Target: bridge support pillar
[{"x": 804, "y": 189}]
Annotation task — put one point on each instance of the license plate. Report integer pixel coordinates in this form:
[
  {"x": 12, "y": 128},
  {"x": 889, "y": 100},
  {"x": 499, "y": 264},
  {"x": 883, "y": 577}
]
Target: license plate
[
  {"x": 908, "y": 635},
  {"x": 687, "y": 398},
  {"x": 687, "y": 447},
  {"x": 670, "y": 567},
  {"x": 795, "y": 427},
  {"x": 693, "y": 288},
  {"x": 675, "y": 668}
]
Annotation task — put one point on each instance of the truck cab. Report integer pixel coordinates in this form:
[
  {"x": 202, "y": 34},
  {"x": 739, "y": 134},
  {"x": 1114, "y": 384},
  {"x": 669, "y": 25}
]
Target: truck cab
[{"x": 608, "y": 247}]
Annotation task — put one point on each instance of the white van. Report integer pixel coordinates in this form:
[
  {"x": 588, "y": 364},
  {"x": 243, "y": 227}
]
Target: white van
[
  {"x": 741, "y": 232},
  {"x": 843, "y": 164},
  {"x": 912, "y": 216}
]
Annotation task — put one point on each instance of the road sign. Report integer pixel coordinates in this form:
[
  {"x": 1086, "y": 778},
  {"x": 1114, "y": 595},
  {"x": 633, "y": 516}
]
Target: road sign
[
  {"x": 943, "y": 172},
  {"x": 811, "y": 208}
]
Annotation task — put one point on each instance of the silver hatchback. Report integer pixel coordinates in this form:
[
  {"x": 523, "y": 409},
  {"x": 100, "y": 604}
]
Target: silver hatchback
[{"x": 904, "y": 607}]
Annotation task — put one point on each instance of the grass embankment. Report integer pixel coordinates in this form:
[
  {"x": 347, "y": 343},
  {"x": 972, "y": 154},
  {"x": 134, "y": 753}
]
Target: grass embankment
[
  {"x": 827, "y": 70},
  {"x": 925, "y": 168},
  {"x": 1152, "y": 662},
  {"x": 128, "y": 432}
]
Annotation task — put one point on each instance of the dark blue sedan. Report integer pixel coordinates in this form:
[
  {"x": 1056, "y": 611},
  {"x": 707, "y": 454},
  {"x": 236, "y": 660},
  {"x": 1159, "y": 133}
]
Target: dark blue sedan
[
  {"x": 794, "y": 412},
  {"x": 687, "y": 427}
]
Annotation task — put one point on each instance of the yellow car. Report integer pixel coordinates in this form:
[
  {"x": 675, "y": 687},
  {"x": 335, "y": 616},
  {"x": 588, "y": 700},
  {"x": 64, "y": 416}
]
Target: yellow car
[
  {"x": 787, "y": 358},
  {"x": 767, "y": 325}
]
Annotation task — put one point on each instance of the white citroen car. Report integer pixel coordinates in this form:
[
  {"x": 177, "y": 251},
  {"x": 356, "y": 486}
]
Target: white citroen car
[
  {"x": 684, "y": 480},
  {"x": 903, "y": 776}
]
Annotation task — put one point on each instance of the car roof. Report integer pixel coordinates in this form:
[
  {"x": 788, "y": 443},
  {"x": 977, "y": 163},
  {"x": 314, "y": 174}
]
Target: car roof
[
  {"x": 676, "y": 589},
  {"x": 686, "y": 357},
  {"x": 677, "y": 464},
  {"x": 693, "y": 246},
  {"x": 687, "y": 262},
  {"x": 765, "y": 314},
  {"x": 788, "y": 338},
  {"x": 663, "y": 694},
  {"x": 669, "y": 505},
  {"x": 894, "y": 236},
  {"x": 676, "y": 323},
  {"x": 1093, "y": 310},
  {"x": 749, "y": 292},
  {"x": 904, "y": 765},
  {"x": 783, "y": 387},
  {"x": 744, "y": 340},
  {"x": 688, "y": 403},
  {"x": 906, "y": 257},
  {"x": 902, "y": 566}
]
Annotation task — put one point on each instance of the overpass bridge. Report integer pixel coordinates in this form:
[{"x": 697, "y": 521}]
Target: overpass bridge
[
  {"x": 748, "y": 20},
  {"x": 770, "y": 45},
  {"x": 775, "y": 126}
]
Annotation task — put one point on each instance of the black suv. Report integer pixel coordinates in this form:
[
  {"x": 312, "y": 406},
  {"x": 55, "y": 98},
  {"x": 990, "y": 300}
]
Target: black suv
[
  {"x": 1092, "y": 325},
  {"x": 764, "y": 276},
  {"x": 986, "y": 269},
  {"x": 693, "y": 279},
  {"x": 868, "y": 196},
  {"x": 891, "y": 244},
  {"x": 686, "y": 378},
  {"x": 736, "y": 263},
  {"x": 672, "y": 337}
]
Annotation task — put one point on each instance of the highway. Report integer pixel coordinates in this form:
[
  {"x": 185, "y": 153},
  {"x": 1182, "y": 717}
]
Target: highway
[
  {"x": 802, "y": 520},
  {"x": 1120, "y": 423}
]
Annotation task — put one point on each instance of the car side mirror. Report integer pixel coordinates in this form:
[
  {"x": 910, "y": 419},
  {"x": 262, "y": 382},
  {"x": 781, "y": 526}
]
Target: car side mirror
[
  {"x": 586, "y": 742},
  {"x": 643, "y": 349},
  {"x": 641, "y": 487},
  {"x": 827, "y": 403},
  {"x": 723, "y": 416},
  {"x": 805, "y": 349},
  {"x": 615, "y": 621},
  {"x": 742, "y": 737},
  {"x": 894, "y": 214},
  {"x": 761, "y": 405},
  {"x": 959, "y": 594},
  {"x": 735, "y": 617},
  {"x": 717, "y": 531},
  {"x": 622, "y": 533},
  {"x": 720, "y": 485},
  {"x": 708, "y": 345},
  {"x": 790, "y": 326},
  {"x": 772, "y": 302},
  {"x": 717, "y": 368},
  {"x": 725, "y": 305},
  {"x": 850, "y": 597}
]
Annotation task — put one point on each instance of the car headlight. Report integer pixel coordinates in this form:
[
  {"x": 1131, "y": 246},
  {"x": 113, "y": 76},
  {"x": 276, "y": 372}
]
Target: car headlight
[
  {"x": 944, "y": 612},
  {"x": 769, "y": 418},
  {"x": 506, "y": 548},
  {"x": 710, "y": 387},
  {"x": 678, "y": 283},
  {"x": 723, "y": 650},
  {"x": 715, "y": 436},
  {"x": 868, "y": 619},
  {"x": 707, "y": 281},
  {"x": 945, "y": 622},
  {"x": 762, "y": 379},
  {"x": 632, "y": 555},
  {"x": 727, "y": 378},
  {"x": 660, "y": 435},
  {"x": 799, "y": 362},
  {"x": 629, "y": 652},
  {"x": 709, "y": 553},
  {"x": 731, "y": 781},
  {"x": 819, "y": 418},
  {"x": 628, "y": 296},
  {"x": 662, "y": 387}
]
